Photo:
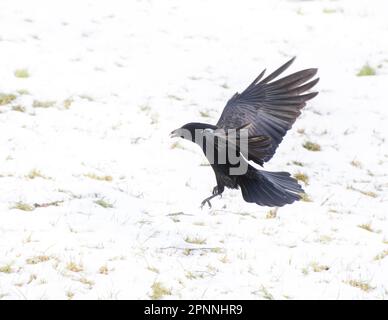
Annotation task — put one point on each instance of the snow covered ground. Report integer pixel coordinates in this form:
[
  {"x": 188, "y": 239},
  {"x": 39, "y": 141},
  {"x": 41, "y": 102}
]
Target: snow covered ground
[{"x": 97, "y": 202}]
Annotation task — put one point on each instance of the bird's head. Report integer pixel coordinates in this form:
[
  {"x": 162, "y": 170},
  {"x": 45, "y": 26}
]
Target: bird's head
[
  {"x": 189, "y": 130},
  {"x": 186, "y": 132}
]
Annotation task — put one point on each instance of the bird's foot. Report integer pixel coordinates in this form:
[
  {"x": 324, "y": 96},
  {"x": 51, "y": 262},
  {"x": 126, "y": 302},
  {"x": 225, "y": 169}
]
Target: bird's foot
[
  {"x": 207, "y": 200},
  {"x": 216, "y": 192}
]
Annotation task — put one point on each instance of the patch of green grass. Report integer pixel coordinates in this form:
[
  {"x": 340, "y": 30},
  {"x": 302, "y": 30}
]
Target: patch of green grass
[
  {"x": 311, "y": 146},
  {"x": 97, "y": 177},
  {"x": 34, "y": 173},
  {"x": 174, "y": 97},
  {"x": 145, "y": 107},
  {"x": 271, "y": 214},
  {"x": 159, "y": 291},
  {"x": 356, "y": 163},
  {"x": 89, "y": 283},
  {"x": 6, "y": 269},
  {"x": 23, "y": 92},
  {"x": 43, "y": 103},
  {"x": 74, "y": 267},
  {"x": 37, "y": 259},
  {"x": 369, "y": 194},
  {"x": 366, "y": 226},
  {"x": 21, "y": 73},
  {"x": 382, "y": 255},
  {"x": 191, "y": 276},
  {"x": 325, "y": 239},
  {"x": 69, "y": 295},
  {"x": 302, "y": 177},
  {"x": 365, "y": 193},
  {"x": 153, "y": 269},
  {"x": 195, "y": 240},
  {"x": 204, "y": 113},
  {"x": 6, "y": 98},
  {"x": 319, "y": 267},
  {"x": 48, "y": 204},
  {"x": 305, "y": 197},
  {"x": 67, "y": 103},
  {"x": 217, "y": 250},
  {"x": 103, "y": 203},
  {"x": 224, "y": 259},
  {"x": 103, "y": 270},
  {"x": 177, "y": 145},
  {"x": 366, "y": 70},
  {"x": 329, "y": 10},
  {"x": 19, "y": 108},
  {"x": 363, "y": 285},
  {"x": 86, "y": 97},
  {"x": 187, "y": 251},
  {"x": 298, "y": 163},
  {"x": 266, "y": 294},
  {"x": 6, "y": 175},
  {"x": 23, "y": 206}
]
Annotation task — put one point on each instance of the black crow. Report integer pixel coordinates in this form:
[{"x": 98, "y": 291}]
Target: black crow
[{"x": 251, "y": 127}]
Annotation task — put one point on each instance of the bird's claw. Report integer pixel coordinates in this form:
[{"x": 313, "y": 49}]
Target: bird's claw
[
  {"x": 216, "y": 192},
  {"x": 204, "y": 202}
]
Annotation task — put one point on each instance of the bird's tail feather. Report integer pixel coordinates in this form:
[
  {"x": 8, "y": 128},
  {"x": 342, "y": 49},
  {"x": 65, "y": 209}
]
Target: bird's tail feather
[{"x": 272, "y": 189}]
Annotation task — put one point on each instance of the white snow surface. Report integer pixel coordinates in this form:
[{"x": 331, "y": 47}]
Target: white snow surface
[{"x": 114, "y": 202}]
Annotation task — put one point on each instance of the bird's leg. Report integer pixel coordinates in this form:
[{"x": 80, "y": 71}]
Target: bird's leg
[
  {"x": 207, "y": 200},
  {"x": 216, "y": 192}
]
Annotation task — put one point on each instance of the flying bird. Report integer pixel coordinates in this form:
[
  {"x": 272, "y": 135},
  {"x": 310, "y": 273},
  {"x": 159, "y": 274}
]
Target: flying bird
[{"x": 251, "y": 127}]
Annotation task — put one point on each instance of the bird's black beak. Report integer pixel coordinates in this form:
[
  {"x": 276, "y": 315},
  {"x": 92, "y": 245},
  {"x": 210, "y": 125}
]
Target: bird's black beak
[{"x": 174, "y": 133}]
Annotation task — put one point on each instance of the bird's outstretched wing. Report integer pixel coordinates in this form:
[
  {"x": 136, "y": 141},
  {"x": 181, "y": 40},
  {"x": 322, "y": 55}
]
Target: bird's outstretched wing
[{"x": 271, "y": 106}]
